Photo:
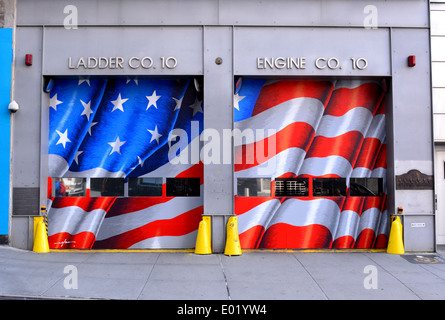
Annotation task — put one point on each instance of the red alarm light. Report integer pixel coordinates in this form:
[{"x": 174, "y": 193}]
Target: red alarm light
[
  {"x": 411, "y": 61},
  {"x": 28, "y": 59}
]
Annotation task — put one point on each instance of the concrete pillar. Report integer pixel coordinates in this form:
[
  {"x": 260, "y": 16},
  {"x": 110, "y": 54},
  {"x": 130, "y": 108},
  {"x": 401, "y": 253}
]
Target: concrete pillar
[{"x": 218, "y": 115}]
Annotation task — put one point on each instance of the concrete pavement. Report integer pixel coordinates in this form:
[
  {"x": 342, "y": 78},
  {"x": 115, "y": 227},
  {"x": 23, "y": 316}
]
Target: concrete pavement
[{"x": 255, "y": 275}]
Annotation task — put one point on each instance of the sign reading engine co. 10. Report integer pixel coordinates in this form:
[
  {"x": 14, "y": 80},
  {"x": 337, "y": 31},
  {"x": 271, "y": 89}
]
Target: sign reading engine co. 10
[{"x": 320, "y": 63}]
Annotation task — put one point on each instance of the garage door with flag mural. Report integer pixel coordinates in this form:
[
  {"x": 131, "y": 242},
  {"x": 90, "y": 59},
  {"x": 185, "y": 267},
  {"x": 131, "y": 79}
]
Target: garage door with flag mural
[
  {"x": 124, "y": 167},
  {"x": 318, "y": 175},
  {"x": 111, "y": 184}
]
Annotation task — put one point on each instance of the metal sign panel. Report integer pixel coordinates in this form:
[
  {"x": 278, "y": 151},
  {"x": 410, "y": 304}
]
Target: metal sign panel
[
  {"x": 291, "y": 51},
  {"x": 119, "y": 51}
]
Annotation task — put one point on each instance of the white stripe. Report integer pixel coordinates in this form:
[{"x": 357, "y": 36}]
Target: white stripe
[
  {"x": 301, "y": 213},
  {"x": 383, "y": 227},
  {"x": 377, "y": 129},
  {"x": 352, "y": 84},
  {"x": 57, "y": 165},
  {"x": 258, "y": 216},
  {"x": 289, "y": 160},
  {"x": 361, "y": 172},
  {"x": 328, "y": 165},
  {"x": 74, "y": 220},
  {"x": 357, "y": 119},
  {"x": 186, "y": 241},
  {"x": 369, "y": 220},
  {"x": 348, "y": 224},
  {"x": 308, "y": 110}
]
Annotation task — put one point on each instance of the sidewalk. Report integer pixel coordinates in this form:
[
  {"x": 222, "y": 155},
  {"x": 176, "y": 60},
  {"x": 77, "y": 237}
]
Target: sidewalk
[{"x": 255, "y": 275}]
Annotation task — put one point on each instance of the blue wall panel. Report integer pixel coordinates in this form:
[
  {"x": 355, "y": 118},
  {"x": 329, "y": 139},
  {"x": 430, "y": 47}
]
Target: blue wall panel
[{"x": 5, "y": 98}]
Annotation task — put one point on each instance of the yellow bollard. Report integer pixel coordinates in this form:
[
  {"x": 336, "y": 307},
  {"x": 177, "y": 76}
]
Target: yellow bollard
[
  {"x": 37, "y": 220},
  {"x": 233, "y": 247},
  {"x": 395, "y": 242},
  {"x": 204, "y": 238},
  {"x": 41, "y": 244}
]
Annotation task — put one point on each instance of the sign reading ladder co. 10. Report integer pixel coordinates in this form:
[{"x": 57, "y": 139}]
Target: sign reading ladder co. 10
[{"x": 120, "y": 62}]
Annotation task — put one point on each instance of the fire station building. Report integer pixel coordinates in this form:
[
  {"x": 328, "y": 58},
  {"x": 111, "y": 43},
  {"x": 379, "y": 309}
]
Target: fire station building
[{"x": 309, "y": 121}]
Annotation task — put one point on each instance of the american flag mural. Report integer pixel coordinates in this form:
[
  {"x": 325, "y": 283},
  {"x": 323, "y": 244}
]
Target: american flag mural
[
  {"x": 123, "y": 128},
  {"x": 132, "y": 128},
  {"x": 322, "y": 129}
]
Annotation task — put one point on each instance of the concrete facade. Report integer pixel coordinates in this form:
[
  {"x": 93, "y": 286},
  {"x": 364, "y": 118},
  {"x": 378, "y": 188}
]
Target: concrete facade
[{"x": 217, "y": 41}]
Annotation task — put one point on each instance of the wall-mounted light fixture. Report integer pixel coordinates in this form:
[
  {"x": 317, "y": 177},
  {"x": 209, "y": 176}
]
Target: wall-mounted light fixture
[{"x": 13, "y": 106}]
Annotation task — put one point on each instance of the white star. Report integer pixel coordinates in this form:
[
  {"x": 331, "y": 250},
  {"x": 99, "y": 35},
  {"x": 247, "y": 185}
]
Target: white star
[
  {"x": 118, "y": 103},
  {"x": 196, "y": 106},
  {"x": 236, "y": 99},
  {"x": 171, "y": 139},
  {"x": 132, "y": 79},
  {"x": 76, "y": 157},
  {"x": 86, "y": 109},
  {"x": 116, "y": 145},
  {"x": 82, "y": 80},
  {"x": 178, "y": 103},
  {"x": 152, "y": 100},
  {"x": 140, "y": 161},
  {"x": 155, "y": 134},
  {"x": 53, "y": 102},
  {"x": 92, "y": 125},
  {"x": 63, "y": 138}
]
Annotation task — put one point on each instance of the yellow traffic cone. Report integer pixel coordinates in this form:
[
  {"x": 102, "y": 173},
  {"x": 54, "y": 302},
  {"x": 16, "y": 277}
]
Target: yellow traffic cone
[
  {"x": 395, "y": 242},
  {"x": 204, "y": 238},
  {"x": 41, "y": 244},
  {"x": 233, "y": 247}
]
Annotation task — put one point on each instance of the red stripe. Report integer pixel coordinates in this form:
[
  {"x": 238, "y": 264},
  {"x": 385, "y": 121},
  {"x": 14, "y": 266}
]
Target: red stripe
[
  {"x": 86, "y": 204},
  {"x": 178, "y": 226},
  {"x": 353, "y": 204},
  {"x": 244, "y": 204},
  {"x": 59, "y": 240},
  {"x": 282, "y": 91},
  {"x": 368, "y": 153},
  {"x": 282, "y": 236},
  {"x": 365, "y": 239},
  {"x": 344, "y": 242},
  {"x": 50, "y": 188},
  {"x": 295, "y": 135},
  {"x": 196, "y": 171},
  {"x": 381, "y": 241},
  {"x": 343, "y": 100},
  {"x": 382, "y": 107},
  {"x": 345, "y": 145},
  {"x": 374, "y": 202},
  {"x": 82, "y": 240},
  {"x": 64, "y": 240},
  {"x": 250, "y": 238},
  {"x": 381, "y": 158}
]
